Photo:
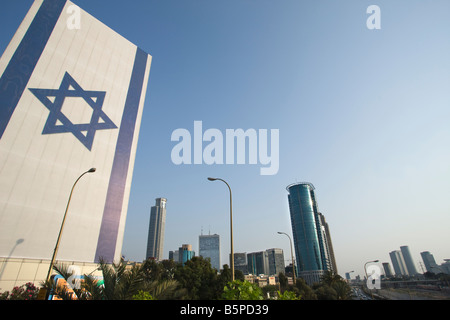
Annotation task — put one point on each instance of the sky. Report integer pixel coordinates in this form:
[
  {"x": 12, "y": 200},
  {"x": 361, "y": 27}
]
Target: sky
[{"x": 363, "y": 114}]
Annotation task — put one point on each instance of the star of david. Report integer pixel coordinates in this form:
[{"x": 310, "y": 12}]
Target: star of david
[{"x": 57, "y": 122}]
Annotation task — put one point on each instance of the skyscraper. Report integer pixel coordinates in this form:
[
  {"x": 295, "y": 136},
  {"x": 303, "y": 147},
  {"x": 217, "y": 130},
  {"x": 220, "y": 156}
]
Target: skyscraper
[
  {"x": 430, "y": 263},
  {"x": 276, "y": 261},
  {"x": 209, "y": 247},
  {"x": 408, "y": 260},
  {"x": 398, "y": 262},
  {"x": 387, "y": 269},
  {"x": 258, "y": 263},
  {"x": 185, "y": 253},
  {"x": 155, "y": 243},
  {"x": 312, "y": 241}
]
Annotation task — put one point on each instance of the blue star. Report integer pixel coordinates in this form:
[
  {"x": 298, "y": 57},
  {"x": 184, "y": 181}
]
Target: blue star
[{"x": 93, "y": 98}]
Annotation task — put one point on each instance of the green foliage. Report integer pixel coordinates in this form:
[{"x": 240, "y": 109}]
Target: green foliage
[
  {"x": 199, "y": 279},
  {"x": 143, "y": 295},
  {"x": 168, "y": 280},
  {"x": 287, "y": 295},
  {"x": 242, "y": 290}
]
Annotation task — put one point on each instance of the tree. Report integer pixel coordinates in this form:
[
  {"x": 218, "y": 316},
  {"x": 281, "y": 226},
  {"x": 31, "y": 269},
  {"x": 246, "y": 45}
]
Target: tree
[
  {"x": 288, "y": 295},
  {"x": 332, "y": 287},
  {"x": 120, "y": 283},
  {"x": 325, "y": 292},
  {"x": 283, "y": 281},
  {"x": 198, "y": 278},
  {"x": 242, "y": 290},
  {"x": 330, "y": 278},
  {"x": 303, "y": 290},
  {"x": 343, "y": 290}
]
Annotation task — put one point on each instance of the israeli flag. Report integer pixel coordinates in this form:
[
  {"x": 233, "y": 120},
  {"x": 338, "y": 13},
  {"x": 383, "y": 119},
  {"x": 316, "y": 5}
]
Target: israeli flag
[{"x": 71, "y": 98}]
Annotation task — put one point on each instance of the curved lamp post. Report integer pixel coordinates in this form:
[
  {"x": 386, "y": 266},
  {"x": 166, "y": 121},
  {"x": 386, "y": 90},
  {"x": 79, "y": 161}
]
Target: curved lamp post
[
  {"x": 374, "y": 261},
  {"x": 365, "y": 270},
  {"x": 292, "y": 254},
  {"x": 231, "y": 226},
  {"x": 62, "y": 226}
]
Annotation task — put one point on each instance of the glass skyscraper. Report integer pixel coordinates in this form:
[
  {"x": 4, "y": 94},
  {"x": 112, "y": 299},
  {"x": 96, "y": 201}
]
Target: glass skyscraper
[
  {"x": 155, "y": 242},
  {"x": 311, "y": 235},
  {"x": 209, "y": 247}
]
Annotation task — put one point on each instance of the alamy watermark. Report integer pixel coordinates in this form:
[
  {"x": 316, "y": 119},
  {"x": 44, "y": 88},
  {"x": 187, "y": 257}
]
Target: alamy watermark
[
  {"x": 218, "y": 151},
  {"x": 373, "y": 277},
  {"x": 374, "y": 20},
  {"x": 73, "y": 21}
]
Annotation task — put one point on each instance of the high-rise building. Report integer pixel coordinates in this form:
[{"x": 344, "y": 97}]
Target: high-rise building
[
  {"x": 276, "y": 261},
  {"x": 240, "y": 262},
  {"x": 185, "y": 253},
  {"x": 328, "y": 245},
  {"x": 155, "y": 242},
  {"x": 258, "y": 263},
  {"x": 408, "y": 260},
  {"x": 398, "y": 262},
  {"x": 209, "y": 247},
  {"x": 387, "y": 269},
  {"x": 311, "y": 235},
  {"x": 71, "y": 99},
  {"x": 430, "y": 263}
]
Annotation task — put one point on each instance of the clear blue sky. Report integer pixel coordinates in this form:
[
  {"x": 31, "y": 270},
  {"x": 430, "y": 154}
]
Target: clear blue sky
[{"x": 362, "y": 114}]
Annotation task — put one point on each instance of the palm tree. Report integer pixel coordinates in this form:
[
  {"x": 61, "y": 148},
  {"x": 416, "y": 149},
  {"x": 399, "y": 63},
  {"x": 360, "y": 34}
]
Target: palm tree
[
  {"x": 330, "y": 278},
  {"x": 118, "y": 282}
]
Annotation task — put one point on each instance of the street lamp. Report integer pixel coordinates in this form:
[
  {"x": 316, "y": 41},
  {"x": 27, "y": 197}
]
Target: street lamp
[
  {"x": 292, "y": 253},
  {"x": 374, "y": 261},
  {"x": 231, "y": 226},
  {"x": 62, "y": 226},
  {"x": 367, "y": 278}
]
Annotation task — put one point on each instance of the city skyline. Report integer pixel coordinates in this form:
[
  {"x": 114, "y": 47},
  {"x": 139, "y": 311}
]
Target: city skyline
[{"x": 362, "y": 114}]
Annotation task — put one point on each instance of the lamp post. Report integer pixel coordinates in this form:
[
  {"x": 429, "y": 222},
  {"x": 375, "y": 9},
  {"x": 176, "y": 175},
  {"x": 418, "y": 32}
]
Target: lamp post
[
  {"x": 62, "y": 226},
  {"x": 374, "y": 261},
  {"x": 367, "y": 278},
  {"x": 292, "y": 254},
  {"x": 231, "y": 226}
]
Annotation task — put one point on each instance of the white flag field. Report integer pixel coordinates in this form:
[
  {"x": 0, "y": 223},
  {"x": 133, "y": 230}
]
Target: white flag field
[{"x": 72, "y": 93}]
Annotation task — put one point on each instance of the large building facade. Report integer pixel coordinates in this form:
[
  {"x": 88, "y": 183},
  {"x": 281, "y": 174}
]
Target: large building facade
[
  {"x": 311, "y": 235},
  {"x": 71, "y": 98},
  {"x": 155, "y": 241},
  {"x": 398, "y": 263},
  {"x": 410, "y": 266},
  {"x": 209, "y": 247},
  {"x": 276, "y": 261}
]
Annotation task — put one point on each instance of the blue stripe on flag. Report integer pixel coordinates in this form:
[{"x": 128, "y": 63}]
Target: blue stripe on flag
[
  {"x": 21, "y": 66},
  {"x": 106, "y": 245}
]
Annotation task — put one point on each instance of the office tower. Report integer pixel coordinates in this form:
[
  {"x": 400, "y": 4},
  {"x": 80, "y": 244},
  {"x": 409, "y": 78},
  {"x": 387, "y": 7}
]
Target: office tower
[
  {"x": 312, "y": 241},
  {"x": 258, "y": 263},
  {"x": 155, "y": 242},
  {"x": 387, "y": 269},
  {"x": 209, "y": 247},
  {"x": 445, "y": 267},
  {"x": 185, "y": 253},
  {"x": 430, "y": 263},
  {"x": 70, "y": 99},
  {"x": 276, "y": 261},
  {"x": 173, "y": 255},
  {"x": 398, "y": 262},
  {"x": 328, "y": 245},
  {"x": 410, "y": 267},
  {"x": 240, "y": 262}
]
